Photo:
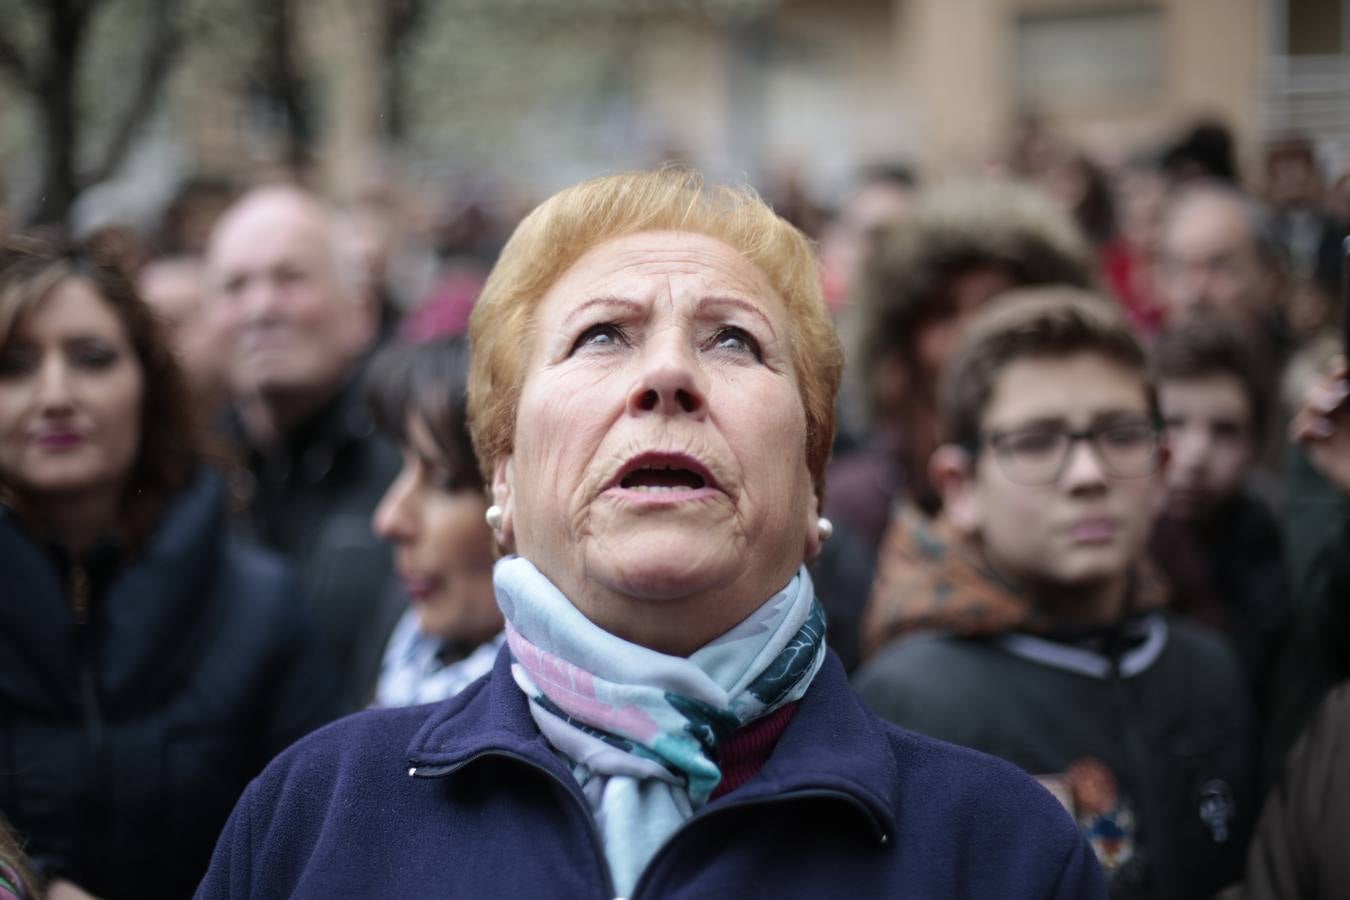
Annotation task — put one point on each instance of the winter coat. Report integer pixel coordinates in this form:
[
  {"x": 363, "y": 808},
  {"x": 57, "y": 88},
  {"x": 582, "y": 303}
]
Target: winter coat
[
  {"x": 1314, "y": 657},
  {"x": 1299, "y": 851},
  {"x": 310, "y": 499},
  {"x": 139, "y": 695},
  {"x": 467, "y": 799},
  {"x": 1142, "y": 727}
]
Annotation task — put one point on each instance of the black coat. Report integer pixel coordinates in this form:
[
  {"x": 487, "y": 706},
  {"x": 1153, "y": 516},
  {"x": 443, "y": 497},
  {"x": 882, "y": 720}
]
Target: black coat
[
  {"x": 1299, "y": 848},
  {"x": 126, "y": 740},
  {"x": 310, "y": 498}
]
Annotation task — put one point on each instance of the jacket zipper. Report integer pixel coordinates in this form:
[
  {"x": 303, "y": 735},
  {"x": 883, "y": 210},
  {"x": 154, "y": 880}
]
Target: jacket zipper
[
  {"x": 664, "y": 850},
  {"x": 568, "y": 787},
  {"x": 79, "y": 593},
  {"x": 597, "y": 845}
]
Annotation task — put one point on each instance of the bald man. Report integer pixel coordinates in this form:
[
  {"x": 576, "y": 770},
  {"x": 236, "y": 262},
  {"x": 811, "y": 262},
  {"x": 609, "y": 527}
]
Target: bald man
[{"x": 302, "y": 325}]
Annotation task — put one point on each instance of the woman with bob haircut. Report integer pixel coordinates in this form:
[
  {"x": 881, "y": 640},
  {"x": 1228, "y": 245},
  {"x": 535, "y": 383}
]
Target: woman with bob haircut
[
  {"x": 149, "y": 667},
  {"x": 651, "y": 398},
  {"x": 450, "y": 628}
]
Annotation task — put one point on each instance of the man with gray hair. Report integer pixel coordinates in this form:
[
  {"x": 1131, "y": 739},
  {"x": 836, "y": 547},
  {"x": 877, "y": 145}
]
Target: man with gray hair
[
  {"x": 1219, "y": 257},
  {"x": 302, "y": 325}
]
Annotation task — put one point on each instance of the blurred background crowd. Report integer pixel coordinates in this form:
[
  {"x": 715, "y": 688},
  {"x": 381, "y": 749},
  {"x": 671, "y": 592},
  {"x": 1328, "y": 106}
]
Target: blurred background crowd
[{"x": 310, "y": 197}]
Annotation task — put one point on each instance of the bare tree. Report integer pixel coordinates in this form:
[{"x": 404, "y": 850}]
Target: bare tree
[
  {"x": 402, "y": 20},
  {"x": 282, "y": 83},
  {"x": 45, "y": 70}
]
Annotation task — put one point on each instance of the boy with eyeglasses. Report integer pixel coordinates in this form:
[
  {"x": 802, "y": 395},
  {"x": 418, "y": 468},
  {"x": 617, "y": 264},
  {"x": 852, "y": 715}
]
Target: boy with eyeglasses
[{"x": 1025, "y": 620}]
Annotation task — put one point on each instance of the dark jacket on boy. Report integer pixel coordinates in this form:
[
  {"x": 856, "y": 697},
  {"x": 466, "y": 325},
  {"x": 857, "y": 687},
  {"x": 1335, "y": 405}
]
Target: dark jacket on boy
[{"x": 1141, "y": 728}]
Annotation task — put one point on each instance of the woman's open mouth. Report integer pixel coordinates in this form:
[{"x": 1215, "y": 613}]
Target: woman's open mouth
[
  {"x": 666, "y": 475},
  {"x": 662, "y": 480}
]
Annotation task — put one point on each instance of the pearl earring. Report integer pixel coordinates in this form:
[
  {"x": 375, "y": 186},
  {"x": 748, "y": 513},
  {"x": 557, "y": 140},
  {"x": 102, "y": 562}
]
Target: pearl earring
[
  {"x": 493, "y": 514},
  {"x": 825, "y": 528}
]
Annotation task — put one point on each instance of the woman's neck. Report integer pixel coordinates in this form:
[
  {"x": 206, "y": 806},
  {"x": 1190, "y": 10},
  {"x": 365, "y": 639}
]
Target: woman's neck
[{"x": 75, "y": 522}]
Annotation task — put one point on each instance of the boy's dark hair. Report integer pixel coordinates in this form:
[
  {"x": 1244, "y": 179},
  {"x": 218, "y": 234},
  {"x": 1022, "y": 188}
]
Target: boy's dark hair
[
  {"x": 430, "y": 381},
  {"x": 1210, "y": 345},
  {"x": 1044, "y": 323}
]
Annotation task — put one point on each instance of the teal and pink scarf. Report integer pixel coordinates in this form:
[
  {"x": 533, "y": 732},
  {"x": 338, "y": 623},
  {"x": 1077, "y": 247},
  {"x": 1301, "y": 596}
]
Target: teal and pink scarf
[{"x": 642, "y": 729}]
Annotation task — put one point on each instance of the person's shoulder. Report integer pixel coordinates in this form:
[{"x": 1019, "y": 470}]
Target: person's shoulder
[
  {"x": 986, "y": 808},
  {"x": 366, "y": 748},
  {"x": 259, "y": 585},
  {"x": 1328, "y": 733},
  {"x": 265, "y": 571},
  {"x": 977, "y": 778},
  {"x": 1201, "y": 661},
  {"x": 1200, "y": 647},
  {"x": 935, "y": 663}
]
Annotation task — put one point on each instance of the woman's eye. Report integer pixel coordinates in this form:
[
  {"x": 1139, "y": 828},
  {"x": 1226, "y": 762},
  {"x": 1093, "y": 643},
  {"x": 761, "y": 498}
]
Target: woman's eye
[
  {"x": 94, "y": 357},
  {"x": 606, "y": 334},
  {"x": 16, "y": 362},
  {"x": 736, "y": 339}
]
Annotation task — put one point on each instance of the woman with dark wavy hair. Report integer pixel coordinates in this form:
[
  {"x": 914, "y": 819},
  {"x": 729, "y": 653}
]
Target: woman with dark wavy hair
[{"x": 149, "y": 666}]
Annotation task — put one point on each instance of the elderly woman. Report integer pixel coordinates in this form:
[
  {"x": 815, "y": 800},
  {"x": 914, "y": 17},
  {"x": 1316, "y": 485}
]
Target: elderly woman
[
  {"x": 651, "y": 396},
  {"x": 149, "y": 665}
]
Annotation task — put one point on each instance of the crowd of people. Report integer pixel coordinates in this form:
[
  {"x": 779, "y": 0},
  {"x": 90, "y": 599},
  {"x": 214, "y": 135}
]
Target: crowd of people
[{"x": 675, "y": 546}]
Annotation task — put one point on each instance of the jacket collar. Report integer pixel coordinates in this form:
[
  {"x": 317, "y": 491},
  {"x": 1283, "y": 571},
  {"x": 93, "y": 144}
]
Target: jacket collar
[{"x": 834, "y": 745}]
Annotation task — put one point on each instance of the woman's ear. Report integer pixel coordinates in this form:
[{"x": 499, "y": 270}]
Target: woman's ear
[
  {"x": 503, "y": 499},
  {"x": 952, "y": 472},
  {"x": 815, "y": 539}
]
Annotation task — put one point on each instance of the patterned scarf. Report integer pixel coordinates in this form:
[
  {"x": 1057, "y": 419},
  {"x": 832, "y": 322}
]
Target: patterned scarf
[
  {"x": 930, "y": 579},
  {"x": 643, "y": 729},
  {"x": 413, "y": 669}
]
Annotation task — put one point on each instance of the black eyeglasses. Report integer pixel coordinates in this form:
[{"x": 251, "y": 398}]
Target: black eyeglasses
[{"x": 1036, "y": 455}]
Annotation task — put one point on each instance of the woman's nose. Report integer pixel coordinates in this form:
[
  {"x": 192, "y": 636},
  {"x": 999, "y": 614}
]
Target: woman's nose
[
  {"x": 54, "y": 387},
  {"x": 393, "y": 519},
  {"x": 671, "y": 382}
]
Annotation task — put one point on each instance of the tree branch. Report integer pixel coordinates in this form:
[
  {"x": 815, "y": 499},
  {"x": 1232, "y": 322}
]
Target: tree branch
[
  {"x": 163, "y": 44},
  {"x": 15, "y": 66}
]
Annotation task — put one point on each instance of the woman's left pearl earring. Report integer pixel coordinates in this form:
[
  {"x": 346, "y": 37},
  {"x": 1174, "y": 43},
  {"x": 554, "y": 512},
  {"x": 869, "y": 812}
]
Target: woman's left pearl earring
[
  {"x": 493, "y": 514},
  {"x": 825, "y": 528}
]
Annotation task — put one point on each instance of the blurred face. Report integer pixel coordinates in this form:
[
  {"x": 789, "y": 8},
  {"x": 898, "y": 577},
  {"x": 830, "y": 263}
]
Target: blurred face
[
  {"x": 1085, "y": 527},
  {"x": 1142, "y": 197},
  {"x": 273, "y": 275},
  {"x": 1209, "y": 263},
  {"x": 659, "y": 476},
  {"x": 70, "y": 398},
  {"x": 1211, "y": 439},
  {"x": 443, "y": 547},
  {"x": 197, "y": 330},
  {"x": 966, "y": 294},
  {"x": 848, "y": 239}
]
